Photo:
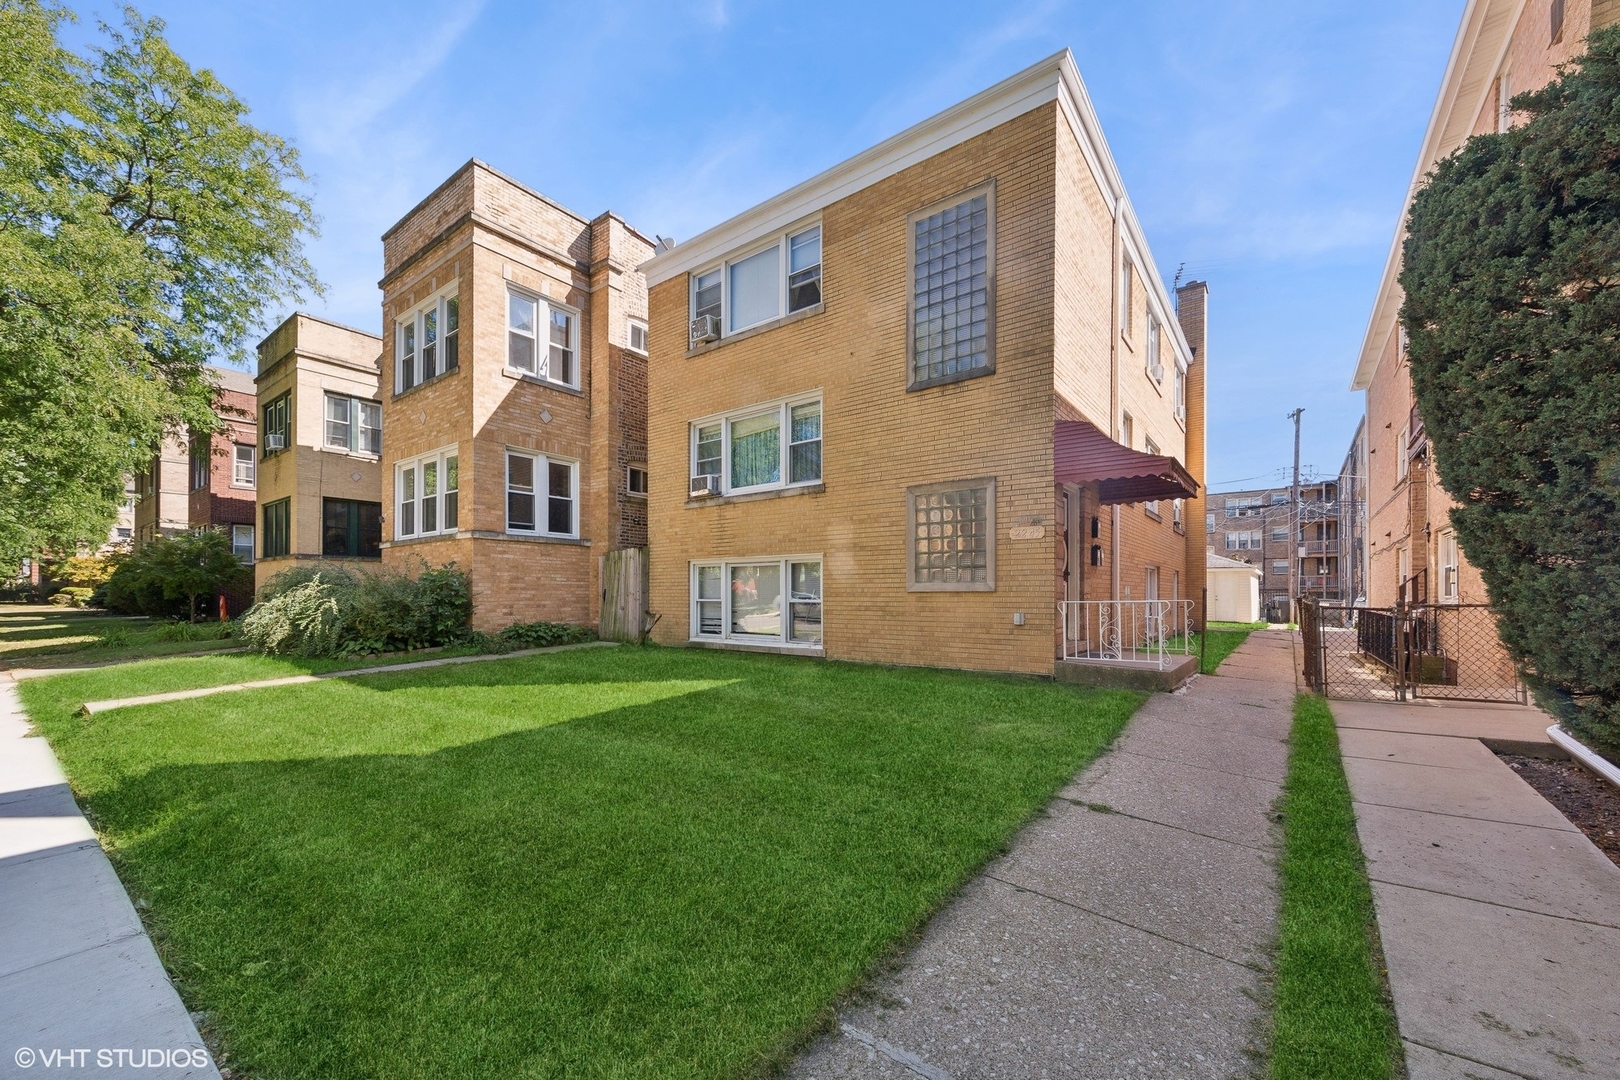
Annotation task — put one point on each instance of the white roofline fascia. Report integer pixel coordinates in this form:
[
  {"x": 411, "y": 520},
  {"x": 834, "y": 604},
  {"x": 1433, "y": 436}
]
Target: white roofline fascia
[
  {"x": 1055, "y": 78},
  {"x": 1381, "y": 323}
]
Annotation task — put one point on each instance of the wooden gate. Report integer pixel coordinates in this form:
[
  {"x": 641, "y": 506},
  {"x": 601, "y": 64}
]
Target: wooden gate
[{"x": 624, "y": 595}]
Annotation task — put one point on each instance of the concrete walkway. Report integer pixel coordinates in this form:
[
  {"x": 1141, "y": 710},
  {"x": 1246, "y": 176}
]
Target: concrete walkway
[
  {"x": 1500, "y": 920},
  {"x": 1126, "y": 932},
  {"x": 77, "y": 971}
]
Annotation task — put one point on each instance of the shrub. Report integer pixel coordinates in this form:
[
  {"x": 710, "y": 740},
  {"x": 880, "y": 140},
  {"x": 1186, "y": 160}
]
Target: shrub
[
  {"x": 333, "y": 612},
  {"x": 71, "y": 596},
  {"x": 541, "y": 635},
  {"x": 86, "y": 571},
  {"x": 1512, "y": 318},
  {"x": 166, "y": 576},
  {"x": 116, "y": 637}
]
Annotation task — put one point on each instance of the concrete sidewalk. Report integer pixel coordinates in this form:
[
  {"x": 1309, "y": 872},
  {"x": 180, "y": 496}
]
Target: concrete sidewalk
[
  {"x": 77, "y": 971},
  {"x": 1126, "y": 932},
  {"x": 1500, "y": 920}
]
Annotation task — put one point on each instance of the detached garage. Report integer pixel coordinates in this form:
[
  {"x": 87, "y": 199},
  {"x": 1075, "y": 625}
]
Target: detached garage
[{"x": 1234, "y": 590}]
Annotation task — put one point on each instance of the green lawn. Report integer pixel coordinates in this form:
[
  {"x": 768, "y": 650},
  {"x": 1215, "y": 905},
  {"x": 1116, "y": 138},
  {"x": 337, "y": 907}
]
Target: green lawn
[
  {"x": 1224, "y": 638},
  {"x": 1332, "y": 1015},
  {"x": 37, "y": 636},
  {"x": 600, "y": 863}
]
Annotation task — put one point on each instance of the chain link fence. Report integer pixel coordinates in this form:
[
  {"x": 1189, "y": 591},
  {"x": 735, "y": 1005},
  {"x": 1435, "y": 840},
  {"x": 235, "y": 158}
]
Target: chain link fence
[{"x": 1402, "y": 653}]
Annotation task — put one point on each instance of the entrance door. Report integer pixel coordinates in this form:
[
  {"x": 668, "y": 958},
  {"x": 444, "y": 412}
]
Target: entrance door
[
  {"x": 1152, "y": 590},
  {"x": 1074, "y": 544}
]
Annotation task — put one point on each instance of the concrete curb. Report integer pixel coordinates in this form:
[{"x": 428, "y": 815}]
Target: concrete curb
[
  {"x": 18, "y": 674},
  {"x": 91, "y": 708}
]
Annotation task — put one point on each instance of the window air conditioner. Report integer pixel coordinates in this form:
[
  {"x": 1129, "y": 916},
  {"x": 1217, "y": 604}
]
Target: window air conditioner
[
  {"x": 705, "y": 328},
  {"x": 1181, "y": 413},
  {"x": 275, "y": 441},
  {"x": 1157, "y": 371},
  {"x": 704, "y": 486}
]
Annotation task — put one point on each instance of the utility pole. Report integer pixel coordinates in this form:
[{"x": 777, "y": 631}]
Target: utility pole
[{"x": 1295, "y": 519}]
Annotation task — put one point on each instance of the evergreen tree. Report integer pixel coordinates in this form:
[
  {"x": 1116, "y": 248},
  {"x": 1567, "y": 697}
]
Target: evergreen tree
[{"x": 1512, "y": 281}]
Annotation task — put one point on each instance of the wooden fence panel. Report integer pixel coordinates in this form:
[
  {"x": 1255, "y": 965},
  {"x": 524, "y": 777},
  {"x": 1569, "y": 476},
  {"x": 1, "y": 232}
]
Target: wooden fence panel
[{"x": 624, "y": 595}]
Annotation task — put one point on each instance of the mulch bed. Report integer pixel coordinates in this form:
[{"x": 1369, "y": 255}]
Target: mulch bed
[{"x": 1589, "y": 802}]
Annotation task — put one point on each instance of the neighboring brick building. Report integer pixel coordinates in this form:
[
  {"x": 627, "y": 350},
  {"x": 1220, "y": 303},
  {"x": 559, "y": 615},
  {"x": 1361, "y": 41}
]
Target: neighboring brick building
[
  {"x": 163, "y": 492},
  {"x": 1258, "y": 526},
  {"x": 907, "y": 387},
  {"x": 1503, "y": 48},
  {"x": 515, "y": 401},
  {"x": 319, "y": 485},
  {"x": 222, "y": 466}
]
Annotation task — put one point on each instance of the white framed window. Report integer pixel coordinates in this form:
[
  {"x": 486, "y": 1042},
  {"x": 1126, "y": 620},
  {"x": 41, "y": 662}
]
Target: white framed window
[
  {"x": 242, "y": 542},
  {"x": 1155, "y": 369},
  {"x": 1504, "y": 102},
  {"x": 777, "y": 278},
  {"x": 1449, "y": 565},
  {"x": 637, "y": 335},
  {"x": 542, "y": 338},
  {"x": 427, "y": 494},
  {"x": 541, "y": 494},
  {"x": 952, "y": 542},
  {"x": 774, "y": 445},
  {"x": 1127, "y": 314},
  {"x": 1279, "y": 566},
  {"x": 758, "y": 601},
  {"x": 427, "y": 342},
  {"x": 1181, "y": 393},
  {"x": 244, "y": 465},
  {"x": 353, "y": 424},
  {"x": 950, "y": 311},
  {"x": 1175, "y": 513},
  {"x": 1244, "y": 541},
  {"x": 1127, "y": 432},
  {"x": 1279, "y": 534},
  {"x": 635, "y": 481}
]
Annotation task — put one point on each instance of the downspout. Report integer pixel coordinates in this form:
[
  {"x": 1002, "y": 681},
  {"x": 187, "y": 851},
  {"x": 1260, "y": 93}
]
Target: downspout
[{"x": 1113, "y": 393}]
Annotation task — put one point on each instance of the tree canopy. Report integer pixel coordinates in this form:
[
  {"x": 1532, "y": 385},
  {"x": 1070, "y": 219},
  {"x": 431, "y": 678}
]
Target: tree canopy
[
  {"x": 145, "y": 228},
  {"x": 1512, "y": 310}
]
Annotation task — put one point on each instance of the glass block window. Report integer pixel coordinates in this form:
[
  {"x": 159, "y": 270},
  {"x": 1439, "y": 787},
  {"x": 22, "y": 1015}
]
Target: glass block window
[
  {"x": 950, "y": 301},
  {"x": 953, "y": 536}
]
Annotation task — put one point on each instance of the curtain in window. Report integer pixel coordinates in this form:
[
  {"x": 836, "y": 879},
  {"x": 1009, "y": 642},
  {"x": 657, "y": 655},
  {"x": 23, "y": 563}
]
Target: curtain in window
[{"x": 756, "y": 450}]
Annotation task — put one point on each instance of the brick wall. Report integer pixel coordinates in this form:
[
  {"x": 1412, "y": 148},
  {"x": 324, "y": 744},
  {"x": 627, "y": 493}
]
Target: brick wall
[{"x": 879, "y": 439}]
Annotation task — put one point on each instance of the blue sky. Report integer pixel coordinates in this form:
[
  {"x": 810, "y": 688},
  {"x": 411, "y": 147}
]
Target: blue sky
[{"x": 1267, "y": 146}]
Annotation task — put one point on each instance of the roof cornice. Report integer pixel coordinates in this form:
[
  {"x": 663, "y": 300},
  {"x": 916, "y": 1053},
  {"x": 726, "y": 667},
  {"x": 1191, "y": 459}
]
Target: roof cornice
[
  {"x": 1056, "y": 78},
  {"x": 1476, "y": 54}
]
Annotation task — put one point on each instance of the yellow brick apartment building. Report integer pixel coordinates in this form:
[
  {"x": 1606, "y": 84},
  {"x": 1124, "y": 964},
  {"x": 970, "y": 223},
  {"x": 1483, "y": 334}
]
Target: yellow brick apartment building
[
  {"x": 905, "y": 410},
  {"x": 1503, "y": 48},
  {"x": 514, "y": 395}
]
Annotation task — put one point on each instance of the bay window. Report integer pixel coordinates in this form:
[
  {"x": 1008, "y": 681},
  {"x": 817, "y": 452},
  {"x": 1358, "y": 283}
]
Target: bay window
[
  {"x": 427, "y": 495},
  {"x": 542, "y": 339},
  {"x": 541, "y": 495},
  {"x": 758, "y": 601},
  {"x": 764, "y": 284},
  {"x": 427, "y": 343},
  {"x": 761, "y": 447}
]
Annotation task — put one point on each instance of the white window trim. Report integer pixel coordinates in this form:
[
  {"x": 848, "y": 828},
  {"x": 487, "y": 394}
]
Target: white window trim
[
  {"x": 629, "y": 488},
  {"x": 782, "y": 640},
  {"x": 781, "y": 242},
  {"x": 542, "y": 337},
  {"x": 353, "y": 446},
  {"x": 252, "y": 543},
  {"x": 542, "y": 492},
  {"x": 1453, "y": 593},
  {"x": 784, "y": 408},
  {"x": 414, "y": 319},
  {"x": 629, "y": 336},
  {"x": 441, "y": 456},
  {"x": 252, "y": 481}
]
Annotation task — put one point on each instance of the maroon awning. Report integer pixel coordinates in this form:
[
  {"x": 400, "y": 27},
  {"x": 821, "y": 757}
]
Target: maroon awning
[{"x": 1083, "y": 455}]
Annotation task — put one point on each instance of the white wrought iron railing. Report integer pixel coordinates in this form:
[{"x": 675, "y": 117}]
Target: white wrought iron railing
[{"x": 1142, "y": 632}]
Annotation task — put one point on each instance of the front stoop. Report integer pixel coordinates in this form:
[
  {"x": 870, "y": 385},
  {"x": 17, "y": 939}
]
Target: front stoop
[{"x": 1112, "y": 673}]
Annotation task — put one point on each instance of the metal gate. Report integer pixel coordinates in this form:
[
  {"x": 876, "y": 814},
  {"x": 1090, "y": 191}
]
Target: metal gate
[{"x": 1406, "y": 652}]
